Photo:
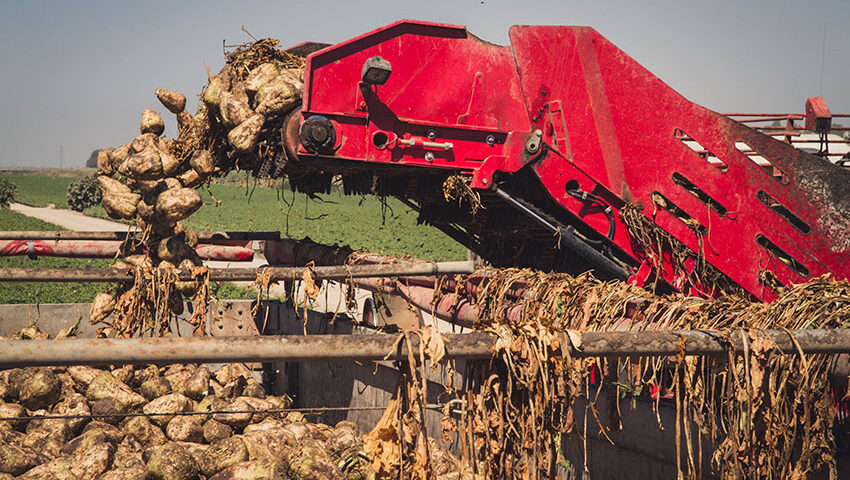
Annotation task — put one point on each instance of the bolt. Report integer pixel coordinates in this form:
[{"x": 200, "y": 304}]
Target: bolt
[
  {"x": 491, "y": 140},
  {"x": 429, "y": 156},
  {"x": 485, "y": 181},
  {"x": 432, "y": 134},
  {"x": 362, "y": 105},
  {"x": 319, "y": 133}
]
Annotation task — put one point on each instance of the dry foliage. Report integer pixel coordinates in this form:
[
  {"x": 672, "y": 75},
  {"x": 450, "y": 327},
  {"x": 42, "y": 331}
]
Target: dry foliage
[
  {"x": 667, "y": 255},
  {"x": 764, "y": 414},
  {"x": 455, "y": 188}
]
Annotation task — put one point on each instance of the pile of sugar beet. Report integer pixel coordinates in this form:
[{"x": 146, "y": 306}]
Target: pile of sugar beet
[
  {"x": 158, "y": 440},
  {"x": 152, "y": 181}
]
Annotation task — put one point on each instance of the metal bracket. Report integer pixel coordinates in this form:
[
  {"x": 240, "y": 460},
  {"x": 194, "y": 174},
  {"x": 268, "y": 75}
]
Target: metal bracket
[
  {"x": 532, "y": 145},
  {"x": 233, "y": 319}
]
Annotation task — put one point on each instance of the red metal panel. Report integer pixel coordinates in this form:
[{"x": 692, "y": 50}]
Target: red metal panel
[
  {"x": 621, "y": 123},
  {"x": 439, "y": 72},
  {"x": 443, "y": 79}
]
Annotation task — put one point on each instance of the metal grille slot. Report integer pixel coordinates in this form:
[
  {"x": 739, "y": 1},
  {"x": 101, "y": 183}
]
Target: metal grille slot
[
  {"x": 700, "y": 150},
  {"x": 782, "y": 255},
  {"x": 783, "y": 211},
  {"x": 762, "y": 162},
  {"x": 676, "y": 211},
  {"x": 705, "y": 198}
]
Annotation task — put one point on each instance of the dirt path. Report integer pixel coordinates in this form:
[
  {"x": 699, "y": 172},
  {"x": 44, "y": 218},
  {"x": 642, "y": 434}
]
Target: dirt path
[{"x": 69, "y": 219}]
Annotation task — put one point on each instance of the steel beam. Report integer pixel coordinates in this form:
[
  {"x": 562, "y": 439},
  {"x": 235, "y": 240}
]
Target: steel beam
[{"x": 374, "y": 347}]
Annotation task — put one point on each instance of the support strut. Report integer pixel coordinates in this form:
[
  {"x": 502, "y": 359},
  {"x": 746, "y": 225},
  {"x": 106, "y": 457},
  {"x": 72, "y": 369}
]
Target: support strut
[{"x": 570, "y": 240}]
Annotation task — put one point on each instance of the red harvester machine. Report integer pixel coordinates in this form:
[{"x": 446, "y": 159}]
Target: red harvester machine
[{"x": 559, "y": 133}]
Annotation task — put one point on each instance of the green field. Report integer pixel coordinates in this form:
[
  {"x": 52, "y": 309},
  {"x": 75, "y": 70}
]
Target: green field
[
  {"x": 359, "y": 222},
  {"x": 39, "y": 189}
]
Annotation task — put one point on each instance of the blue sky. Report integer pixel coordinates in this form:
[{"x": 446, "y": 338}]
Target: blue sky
[{"x": 78, "y": 74}]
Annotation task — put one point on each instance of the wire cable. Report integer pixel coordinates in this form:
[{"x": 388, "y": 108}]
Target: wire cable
[{"x": 305, "y": 410}]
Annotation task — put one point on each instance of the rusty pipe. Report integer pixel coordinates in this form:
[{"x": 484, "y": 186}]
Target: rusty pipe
[
  {"x": 376, "y": 347},
  {"x": 203, "y": 236},
  {"x": 302, "y": 252},
  {"x": 293, "y": 348},
  {"x": 337, "y": 272},
  {"x": 461, "y": 313},
  {"x": 110, "y": 248}
]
